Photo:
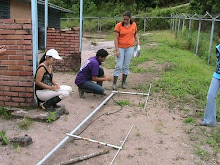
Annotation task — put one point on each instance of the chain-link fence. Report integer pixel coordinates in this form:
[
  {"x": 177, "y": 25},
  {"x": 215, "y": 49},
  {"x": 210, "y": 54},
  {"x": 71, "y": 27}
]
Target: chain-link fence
[{"x": 198, "y": 30}]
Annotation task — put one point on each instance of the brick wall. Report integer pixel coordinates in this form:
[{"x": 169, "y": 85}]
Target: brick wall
[
  {"x": 16, "y": 71},
  {"x": 66, "y": 42}
]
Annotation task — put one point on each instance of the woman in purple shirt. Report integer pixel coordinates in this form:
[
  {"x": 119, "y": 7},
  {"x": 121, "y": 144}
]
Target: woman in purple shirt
[{"x": 91, "y": 71}]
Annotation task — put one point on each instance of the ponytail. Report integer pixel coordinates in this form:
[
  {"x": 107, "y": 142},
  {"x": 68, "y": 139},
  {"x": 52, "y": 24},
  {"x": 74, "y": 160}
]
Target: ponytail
[{"x": 43, "y": 58}]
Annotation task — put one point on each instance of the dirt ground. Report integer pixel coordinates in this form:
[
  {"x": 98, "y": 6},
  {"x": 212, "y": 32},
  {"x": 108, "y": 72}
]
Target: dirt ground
[{"x": 158, "y": 136}]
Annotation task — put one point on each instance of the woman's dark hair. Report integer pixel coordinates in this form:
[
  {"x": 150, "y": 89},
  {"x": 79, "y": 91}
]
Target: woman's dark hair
[
  {"x": 102, "y": 53},
  {"x": 43, "y": 58},
  {"x": 128, "y": 14}
]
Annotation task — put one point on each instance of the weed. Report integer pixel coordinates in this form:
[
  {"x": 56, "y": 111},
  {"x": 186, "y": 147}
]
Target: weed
[
  {"x": 3, "y": 138},
  {"x": 25, "y": 124},
  {"x": 51, "y": 117},
  {"x": 138, "y": 134},
  {"x": 189, "y": 120},
  {"x": 128, "y": 116},
  {"x": 202, "y": 153},
  {"x": 5, "y": 113},
  {"x": 123, "y": 103}
]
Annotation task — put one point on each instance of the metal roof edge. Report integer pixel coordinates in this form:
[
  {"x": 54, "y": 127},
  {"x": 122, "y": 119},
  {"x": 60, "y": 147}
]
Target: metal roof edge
[{"x": 56, "y": 7}]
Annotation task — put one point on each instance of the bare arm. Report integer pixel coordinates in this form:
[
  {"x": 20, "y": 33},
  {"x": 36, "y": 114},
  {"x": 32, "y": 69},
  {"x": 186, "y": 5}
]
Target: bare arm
[
  {"x": 116, "y": 44},
  {"x": 136, "y": 38},
  {"x": 39, "y": 76},
  {"x": 95, "y": 78}
]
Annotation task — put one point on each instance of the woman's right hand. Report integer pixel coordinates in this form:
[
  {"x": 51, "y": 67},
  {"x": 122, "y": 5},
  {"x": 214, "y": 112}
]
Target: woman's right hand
[
  {"x": 54, "y": 87},
  {"x": 117, "y": 53}
]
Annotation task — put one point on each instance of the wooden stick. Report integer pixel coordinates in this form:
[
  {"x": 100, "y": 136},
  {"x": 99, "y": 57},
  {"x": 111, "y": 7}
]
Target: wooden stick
[{"x": 81, "y": 158}]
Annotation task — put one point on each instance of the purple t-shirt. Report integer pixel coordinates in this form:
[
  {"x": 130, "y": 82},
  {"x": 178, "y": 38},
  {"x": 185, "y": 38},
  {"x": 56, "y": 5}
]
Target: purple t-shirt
[{"x": 88, "y": 69}]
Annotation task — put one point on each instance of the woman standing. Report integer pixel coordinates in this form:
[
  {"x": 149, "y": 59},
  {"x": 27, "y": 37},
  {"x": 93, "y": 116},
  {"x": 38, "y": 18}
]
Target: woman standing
[
  {"x": 209, "y": 118},
  {"x": 125, "y": 34},
  {"x": 47, "y": 90}
]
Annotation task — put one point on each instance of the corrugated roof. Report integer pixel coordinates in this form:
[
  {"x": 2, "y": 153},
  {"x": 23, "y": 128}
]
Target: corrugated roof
[{"x": 56, "y": 7}]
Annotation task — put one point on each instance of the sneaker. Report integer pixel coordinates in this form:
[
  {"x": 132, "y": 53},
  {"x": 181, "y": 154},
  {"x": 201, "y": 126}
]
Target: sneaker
[
  {"x": 81, "y": 93},
  {"x": 204, "y": 124}
]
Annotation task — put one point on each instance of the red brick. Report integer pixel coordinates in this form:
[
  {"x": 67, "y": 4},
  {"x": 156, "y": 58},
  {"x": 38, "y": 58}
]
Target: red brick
[
  {"x": 28, "y": 58},
  {"x": 17, "y": 68},
  {"x": 27, "y": 47},
  {"x": 13, "y": 104},
  {"x": 5, "y": 98},
  {"x": 26, "y": 84},
  {"x": 10, "y": 83},
  {"x": 3, "y": 67},
  {"x": 9, "y": 73},
  {"x": 7, "y": 32},
  {"x": 14, "y": 94},
  {"x": 28, "y": 68},
  {"x": 29, "y": 89},
  {"x": 14, "y": 37},
  {"x": 13, "y": 26},
  {"x": 21, "y": 94},
  {"x": 25, "y": 73},
  {"x": 2, "y": 26},
  {"x": 25, "y": 63},
  {"x": 10, "y": 52},
  {"x": 27, "y": 26},
  {"x": 16, "y": 57},
  {"x": 26, "y": 104},
  {"x": 27, "y": 31},
  {"x": 23, "y": 21},
  {"x": 18, "y": 99},
  {"x": 10, "y": 42},
  {"x": 27, "y": 37},
  {"x": 30, "y": 100},
  {"x": 7, "y": 20},
  {"x": 4, "y": 88},
  {"x": 25, "y": 42},
  {"x": 18, "y": 89},
  {"x": 2, "y": 103}
]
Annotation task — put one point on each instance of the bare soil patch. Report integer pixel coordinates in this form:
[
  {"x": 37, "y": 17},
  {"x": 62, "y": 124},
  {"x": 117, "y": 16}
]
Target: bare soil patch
[{"x": 158, "y": 136}]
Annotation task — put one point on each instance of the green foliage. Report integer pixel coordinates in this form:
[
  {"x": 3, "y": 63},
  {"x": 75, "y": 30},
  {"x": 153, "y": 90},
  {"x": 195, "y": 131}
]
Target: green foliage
[
  {"x": 123, "y": 102},
  {"x": 4, "y": 113},
  {"x": 189, "y": 120},
  {"x": 200, "y": 7},
  {"x": 3, "y": 137},
  {"x": 51, "y": 117},
  {"x": 25, "y": 124}
]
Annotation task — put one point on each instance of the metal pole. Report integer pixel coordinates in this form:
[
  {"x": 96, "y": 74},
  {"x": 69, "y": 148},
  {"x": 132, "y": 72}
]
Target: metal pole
[
  {"x": 189, "y": 33},
  {"x": 34, "y": 37},
  {"x": 179, "y": 25},
  {"x": 121, "y": 145},
  {"x": 132, "y": 93},
  {"x": 34, "y": 34},
  {"x": 211, "y": 39},
  {"x": 145, "y": 105},
  {"x": 183, "y": 26},
  {"x": 81, "y": 26},
  {"x": 45, "y": 23},
  {"x": 197, "y": 45},
  {"x": 95, "y": 141},
  {"x": 71, "y": 133}
]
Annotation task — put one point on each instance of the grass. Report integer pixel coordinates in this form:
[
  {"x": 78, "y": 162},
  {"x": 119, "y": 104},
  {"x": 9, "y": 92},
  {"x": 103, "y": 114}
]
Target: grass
[
  {"x": 4, "y": 113},
  {"x": 184, "y": 79},
  {"x": 25, "y": 124}
]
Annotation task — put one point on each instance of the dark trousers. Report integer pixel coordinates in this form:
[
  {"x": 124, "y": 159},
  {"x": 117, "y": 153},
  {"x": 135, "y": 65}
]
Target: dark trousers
[{"x": 92, "y": 87}]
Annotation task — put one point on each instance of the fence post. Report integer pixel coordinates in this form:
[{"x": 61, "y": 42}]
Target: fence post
[
  {"x": 183, "y": 25},
  {"x": 179, "y": 25},
  {"x": 211, "y": 39},
  {"x": 197, "y": 45},
  {"x": 189, "y": 32},
  {"x": 144, "y": 24}
]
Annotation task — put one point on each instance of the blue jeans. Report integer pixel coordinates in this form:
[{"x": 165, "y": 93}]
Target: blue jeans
[
  {"x": 210, "y": 110},
  {"x": 123, "y": 62},
  {"x": 92, "y": 87}
]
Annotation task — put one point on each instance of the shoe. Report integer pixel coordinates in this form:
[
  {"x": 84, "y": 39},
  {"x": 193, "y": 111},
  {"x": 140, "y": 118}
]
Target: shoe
[
  {"x": 57, "y": 106},
  {"x": 204, "y": 124},
  {"x": 81, "y": 93}
]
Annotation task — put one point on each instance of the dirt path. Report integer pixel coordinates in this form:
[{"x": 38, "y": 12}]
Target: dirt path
[{"x": 158, "y": 136}]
